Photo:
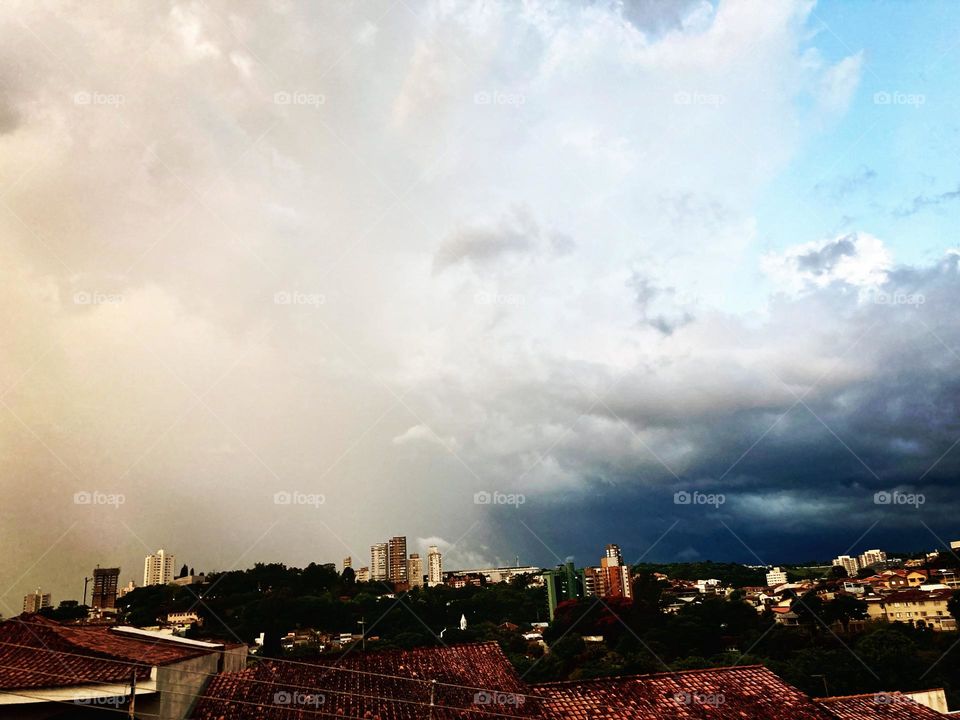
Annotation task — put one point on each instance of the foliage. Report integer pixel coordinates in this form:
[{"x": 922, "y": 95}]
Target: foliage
[
  {"x": 732, "y": 574},
  {"x": 66, "y": 611}
]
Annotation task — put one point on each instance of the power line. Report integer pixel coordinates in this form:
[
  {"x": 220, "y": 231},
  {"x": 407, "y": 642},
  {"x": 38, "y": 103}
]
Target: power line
[
  {"x": 286, "y": 686},
  {"x": 312, "y": 666},
  {"x": 228, "y": 700},
  {"x": 74, "y": 704}
]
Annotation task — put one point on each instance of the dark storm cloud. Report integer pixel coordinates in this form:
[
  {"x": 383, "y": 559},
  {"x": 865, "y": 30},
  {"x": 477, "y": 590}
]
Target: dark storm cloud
[{"x": 800, "y": 472}]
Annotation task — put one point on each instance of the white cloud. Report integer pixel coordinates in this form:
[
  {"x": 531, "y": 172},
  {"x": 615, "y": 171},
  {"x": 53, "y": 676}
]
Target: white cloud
[
  {"x": 203, "y": 195},
  {"x": 856, "y": 259},
  {"x": 423, "y": 434}
]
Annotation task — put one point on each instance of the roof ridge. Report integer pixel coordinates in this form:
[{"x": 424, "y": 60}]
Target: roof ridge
[
  {"x": 691, "y": 671},
  {"x": 857, "y": 696}
]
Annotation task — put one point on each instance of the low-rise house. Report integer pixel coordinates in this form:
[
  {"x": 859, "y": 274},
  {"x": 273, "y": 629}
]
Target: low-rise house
[
  {"x": 710, "y": 586},
  {"x": 920, "y": 608},
  {"x": 184, "y": 618},
  {"x": 50, "y": 669},
  {"x": 854, "y": 587},
  {"x": 785, "y": 616},
  {"x": 894, "y": 580}
]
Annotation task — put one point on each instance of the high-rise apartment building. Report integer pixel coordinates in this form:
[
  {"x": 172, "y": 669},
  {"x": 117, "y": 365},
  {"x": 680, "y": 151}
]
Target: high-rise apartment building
[
  {"x": 347, "y": 562},
  {"x": 594, "y": 582},
  {"x": 434, "y": 566},
  {"x": 850, "y": 564},
  {"x": 415, "y": 570},
  {"x": 616, "y": 574},
  {"x": 105, "y": 581},
  {"x": 36, "y": 601},
  {"x": 563, "y": 583},
  {"x": 363, "y": 575},
  {"x": 397, "y": 552},
  {"x": 158, "y": 568},
  {"x": 378, "y": 562},
  {"x": 872, "y": 557}
]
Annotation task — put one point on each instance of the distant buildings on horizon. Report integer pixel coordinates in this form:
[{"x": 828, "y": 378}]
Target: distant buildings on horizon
[
  {"x": 853, "y": 565},
  {"x": 389, "y": 562},
  {"x": 34, "y": 602}
]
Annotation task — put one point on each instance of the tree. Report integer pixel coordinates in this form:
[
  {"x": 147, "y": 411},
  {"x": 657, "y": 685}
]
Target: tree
[
  {"x": 891, "y": 655},
  {"x": 184, "y": 571},
  {"x": 844, "y": 608},
  {"x": 838, "y": 571},
  {"x": 809, "y": 609},
  {"x": 66, "y": 611},
  {"x": 953, "y": 605},
  {"x": 348, "y": 576}
]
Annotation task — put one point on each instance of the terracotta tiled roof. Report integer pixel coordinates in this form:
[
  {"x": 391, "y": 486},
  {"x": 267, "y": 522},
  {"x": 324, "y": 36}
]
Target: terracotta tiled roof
[
  {"x": 50, "y": 656},
  {"x": 291, "y": 691},
  {"x": 735, "y": 693},
  {"x": 917, "y": 595},
  {"x": 880, "y": 706}
]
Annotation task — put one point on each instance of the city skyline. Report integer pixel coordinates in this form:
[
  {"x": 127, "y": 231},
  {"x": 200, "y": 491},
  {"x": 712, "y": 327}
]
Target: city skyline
[{"x": 595, "y": 577}]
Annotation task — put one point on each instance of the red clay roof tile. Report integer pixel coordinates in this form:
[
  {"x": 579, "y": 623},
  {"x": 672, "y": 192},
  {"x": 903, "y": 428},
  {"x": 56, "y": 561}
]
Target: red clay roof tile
[
  {"x": 37, "y": 652},
  {"x": 878, "y": 706},
  {"x": 735, "y": 693},
  {"x": 290, "y": 691}
]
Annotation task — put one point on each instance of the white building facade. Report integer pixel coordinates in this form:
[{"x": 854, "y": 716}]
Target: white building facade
[
  {"x": 776, "y": 576},
  {"x": 415, "y": 570},
  {"x": 434, "y": 566},
  {"x": 158, "y": 568},
  {"x": 850, "y": 564},
  {"x": 378, "y": 562}
]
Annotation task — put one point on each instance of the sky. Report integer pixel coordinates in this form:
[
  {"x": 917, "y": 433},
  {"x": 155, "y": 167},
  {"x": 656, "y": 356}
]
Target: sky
[{"x": 281, "y": 280}]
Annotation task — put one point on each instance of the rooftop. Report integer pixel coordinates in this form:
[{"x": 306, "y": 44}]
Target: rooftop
[
  {"x": 390, "y": 685},
  {"x": 878, "y": 706},
  {"x": 36, "y": 652},
  {"x": 718, "y": 693}
]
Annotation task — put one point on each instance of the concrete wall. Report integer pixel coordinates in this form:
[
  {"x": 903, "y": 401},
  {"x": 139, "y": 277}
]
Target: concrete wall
[
  {"x": 933, "y": 699},
  {"x": 180, "y": 683},
  {"x": 234, "y": 659},
  {"x": 177, "y": 685}
]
